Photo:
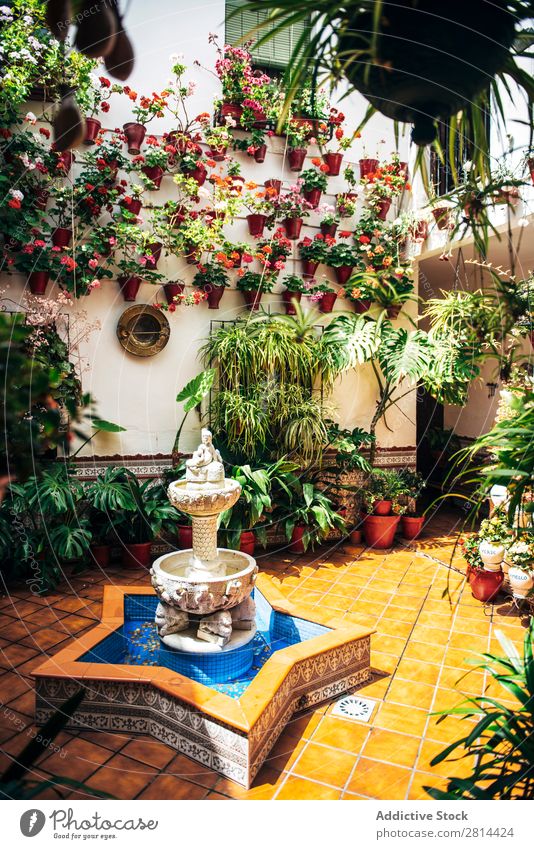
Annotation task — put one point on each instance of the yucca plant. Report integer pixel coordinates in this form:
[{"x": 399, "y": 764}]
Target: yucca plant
[{"x": 501, "y": 741}]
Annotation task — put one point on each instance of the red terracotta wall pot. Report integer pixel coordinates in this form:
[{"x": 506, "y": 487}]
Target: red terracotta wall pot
[
  {"x": 232, "y": 110},
  {"x": 382, "y": 508},
  {"x": 38, "y": 281},
  {"x": 484, "y": 585},
  {"x": 274, "y": 184},
  {"x": 333, "y": 160},
  {"x": 297, "y": 543},
  {"x": 256, "y": 223},
  {"x": 136, "y": 555},
  {"x": 442, "y": 216},
  {"x": 313, "y": 196},
  {"x": 171, "y": 290},
  {"x": 361, "y": 306},
  {"x": 379, "y": 531},
  {"x": 260, "y": 153},
  {"x": 247, "y": 543},
  {"x": 531, "y": 169},
  {"x": 155, "y": 174},
  {"x": 411, "y": 526},
  {"x": 326, "y": 304},
  {"x": 61, "y": 237},
  {"x": 343, "y": 273},
  {"x": 293, "y": 226},
  {"x": 135, "y": 135},
  {"x": 252, "y": 299},
  {"x": 92, "y": 128},
  {"x": 100, "y": 555},
  {"x": 217, "y": 154},
  {"x": 185, "y": 536},
  {"x": 155, "y": 249},
  {"x": 134, "y": 205},
  {"x": 383, "y": 209},
  {"x": 309, "y": 268},
  {"x": 199, "y": 174},
  {"x": 296, "y": 158},
  {"x": 214, "y": 294},
  {"x": 393, "y": 311},
  {"x": 329, "y": 229},
  {"x": 368, "y": 166},
  {"x": 129, "y": 287},
  {"x": 290, "y": 299}
]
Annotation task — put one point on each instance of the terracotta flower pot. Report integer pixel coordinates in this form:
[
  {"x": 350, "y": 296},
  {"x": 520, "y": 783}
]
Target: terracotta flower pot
[
  {"x": 411, "y": 526},
  {"x": 313, "y": 196},
  {"x": 403, "y": 169},
  {"x": 309, "y": 267},
  {"x": 361, "y": 306},
  {"x": 383, "y": 208},
  {"x": 171, "y": 290},
  {"x": 256, "y": 223},
  {"x": 214, "y": 294},
  {"x": 296, "y": 158},
  {"x": 343, "y": 273},
  {"x": 368, "y": 166},
  {"x": 531, "y": 169},
  {"x": 247, "y": 543},
  {"x": 155, "y": 249},
  {"x": 38, "y": 281},
  {"x": 420, "y": 231},
  {"x": 129, "y": 287},
  {"x": 333, "y": 160},
  {"x": 92, "y": 129},
  {"x": 41, "y": 198},
  {"x": 100, "y": 555},
  {"x": 260, "y": 153},
  {"x": 190, "y": 253},
  {"x": 217, "y": 153},
  {"x": 65, "y": 160},
  {"x": 297, "y": 541},
  {"x": 252, "y": 299},
  {"x": 326, "y": 304},
  {"x": 274, "y": 184},
  {"x": 136, "y": 554},
  {"x": 379, "y": 531},
  {"x": 233, "y": 111},
  {"x": 198, "y": 174},
  {"x": 382, "y": 508},
  {"x": 293, "y": 226},
  {"x": 61, "y": 237},
  {"x": 442, "y": 216},
  {"x": 355, "y": 537},
  {"x": 185, "y": 536},
  {"x": 155, "y": 175},
  {"x": 135, "y": 135},
  {"x": 393, "y": 311},
  {"x": 484, "y": 585},
  {"x": 521, "y": 581},
  {"x": 133, "y": 205},
  {"x": 289, "y": 300},
  {"x": 329, "y": 229}
]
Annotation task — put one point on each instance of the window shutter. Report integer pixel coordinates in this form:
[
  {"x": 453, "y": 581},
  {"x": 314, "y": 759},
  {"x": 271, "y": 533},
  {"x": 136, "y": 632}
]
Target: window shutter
[{"x": 276, "y": 53}]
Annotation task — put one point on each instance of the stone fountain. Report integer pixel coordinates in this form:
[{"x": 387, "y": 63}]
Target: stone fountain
[{"x": 204, "y": 593}]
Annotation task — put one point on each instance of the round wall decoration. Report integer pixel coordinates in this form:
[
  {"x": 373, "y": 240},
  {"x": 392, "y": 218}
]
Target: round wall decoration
[{"x": 143, "y": 330}]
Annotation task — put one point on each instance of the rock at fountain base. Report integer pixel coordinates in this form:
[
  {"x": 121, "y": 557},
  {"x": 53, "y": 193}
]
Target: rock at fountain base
[{"x": 187, "y": 641}]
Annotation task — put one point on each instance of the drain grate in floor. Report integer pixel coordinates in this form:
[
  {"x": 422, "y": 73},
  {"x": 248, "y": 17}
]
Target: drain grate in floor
[{"x": 354, "y": 707}]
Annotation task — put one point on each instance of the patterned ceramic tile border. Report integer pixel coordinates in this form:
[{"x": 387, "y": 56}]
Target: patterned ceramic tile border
[{"x": 231, "y": 736}]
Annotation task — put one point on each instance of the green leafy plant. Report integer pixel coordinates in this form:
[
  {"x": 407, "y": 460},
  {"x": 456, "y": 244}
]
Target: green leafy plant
[
  {"x": 104, "y": 497},
  {"x": 192, "y": 395},
  {"x": 383, "y": 485},
  {"x": 253, "y": 281},
  {"x": 316, "y": 512},
  {"x": 146, "y": 514}
]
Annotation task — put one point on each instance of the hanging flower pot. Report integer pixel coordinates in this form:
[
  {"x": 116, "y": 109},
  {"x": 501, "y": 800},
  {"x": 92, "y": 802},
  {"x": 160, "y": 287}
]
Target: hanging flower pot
[
  {"x": 309, "y": 267},
  {"x": 129, "y": 287},
  {"x": 232, "y": 110},
  {"x": 383, "y": 208},
  {"x": 289, "y": 300},
  {"x": 179, "y": 140},
  {"x": 293, "y": 226},
  {"x": 296, "y": 158},
  {"x": 214, "y": 294},
  {"x": 171, "y": 290},
  {"x": 135, "y": 134},
  {"x": 217, "y": 153},
  {"x": 382, "y": 507},
  {"x": 256, "y": 223},
  {"x": 133, "y": 205},
  {"x": 368, "y": 166},
  {"x": 379, "y": 531},
  {"x": 484, "y": 585},
  {"x": 420, "y": 230},
  {"x": 191, "y": 253},
  {"x": 491, "y": 554},
  {"x": 260, "y": 153},
  {"x": 442, "y": 216},
  {"x": 521, "y": 581},
  {"x": 41, "y": 198},
  {"x": 313, "y": 196},
  {"x": 403, "y": 169},
  {"x": 252, "y": 299},
  {"x": 361, "y": 306},
  {"x": 100, "y": 555},
  {"x": 198, "y": 174},
  {"x": 326, "y": 304},
  {"x": 92, "y": 129},
  {"x": 393, "y": 311},
  {"x": 136, "y": 555},
  {"x": 155, "y": 249},
  {"x": 65, "y": 160},
  {"x": 61, "y": 237},
  {"x": 185, "y": 536},
  {"x": 343, "y": 273},
  {"x": 329, "y": 229},
  {"x": 247, "y": 543},
  {"x": 411, "y": 526},
  {"x": 155, "y": 175},
  {"x": 530, "y": 164},
  {"x": 333, "y": 160},
  {"x": 297, "y": 539},
  {"x": 38, "y": 281},
  {"x": 274, "y": 184}
]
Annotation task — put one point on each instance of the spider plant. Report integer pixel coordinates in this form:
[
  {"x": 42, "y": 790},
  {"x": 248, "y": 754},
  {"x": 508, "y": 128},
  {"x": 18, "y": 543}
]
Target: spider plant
[
  {"x": 298, "y": 419},
  {"x": 241, "y": 420}
]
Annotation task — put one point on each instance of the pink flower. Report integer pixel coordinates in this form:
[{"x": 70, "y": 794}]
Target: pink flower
[{"x": 93, "y": 263}]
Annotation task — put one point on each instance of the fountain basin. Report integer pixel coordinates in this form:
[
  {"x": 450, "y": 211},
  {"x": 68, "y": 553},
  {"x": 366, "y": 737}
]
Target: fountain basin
[{"x": 201, "y": 500}]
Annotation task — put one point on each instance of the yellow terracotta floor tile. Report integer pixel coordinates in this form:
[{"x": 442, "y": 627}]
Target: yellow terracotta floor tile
[
  {"x": 379, "y": 781},
  {"x": 421, "y": 780},
  {"x": 424, "y": 652},
  {"x": 302, "y": 788},
  {"x": 341, "y": 734},
  {"x": 410, "y": 693},
  {"x": 392, "y": 747},
  {"x": 417, "y": 670},
  {"x": 323, "y": 764},
  {"x": 393, "y": 717}
]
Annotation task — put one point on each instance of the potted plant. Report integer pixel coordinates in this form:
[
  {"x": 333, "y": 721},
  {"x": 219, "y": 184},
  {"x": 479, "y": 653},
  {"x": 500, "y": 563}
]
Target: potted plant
[
  {"x": 153, "y": 164},
  {"x": 133, "y": 265},
  {"x": 253, "y": 145},
  {"x": 367, "y": 166},
  {"x": 239, "y": 521},
  {"x": 484, "y": 584},
  {"x": 312, "y": 253},
  {"x": 212, "y": 278},
  {"x": 380, "y": 497},
  {"x": 218, "y": 139},
  {"x": 145, "y": 110},
  {"x": 329, "y": 220},
  {"x": 93, "y": 99},
  {"x": 36, "y": 259},
  {"x": 132, "y": 202},
  {"x": 272, "y": 253},
  {"x": 346, "y": 204},
  {"x": 253, "y": 285},
  {"x": 342, "y": 257},
  {"x": 261, "y": 209},
  {"x": 292, "y": 208},
  {"x": 292, "y": 294},
  {"x": 297, "y": 146},
  {"x": 311, "y": 519},
  {"x": 108, "y": 493},
  {"x": 62, "y": 214},
  {"x": 334, "y": 158},
  {"x": 313, "y": 182},
  {"x": 412, "y": 520},
  {"x": 494, "y": 534},
  {"x": 360, "y": 292},
  {"x": 274, "y": 185},
  {"x": 520, "y": 557},
  {"x": 137, "y": 526},
  {"x": 384, "y": 184},
  {"x": 324, "y": 296}
]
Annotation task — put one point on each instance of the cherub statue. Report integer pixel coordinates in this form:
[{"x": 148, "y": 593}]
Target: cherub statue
[{"x": 205, "y": 466}]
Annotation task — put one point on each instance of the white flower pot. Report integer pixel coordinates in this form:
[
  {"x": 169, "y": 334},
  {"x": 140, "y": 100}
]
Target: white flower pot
[
  {"x": 491, "y": 554},
  {"x": 521, "y": 582}
]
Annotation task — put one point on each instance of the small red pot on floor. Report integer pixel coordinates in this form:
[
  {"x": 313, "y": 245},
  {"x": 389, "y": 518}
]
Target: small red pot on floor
[
  {"x": 274, "y": 184},
  {"x": 185, "y": 536},
  {"x": 293, "y": 226},
  {"x": 313, "y": 196},
  {"x": 217, "y": 153},
  {"x": 171, "y": 290},
  {"x": 361, "y": 306},
  {"x": 326, "y": 304},
  {"x": 136, "y": 554},
  {"x": 214, "y": 295},
  {"x": 260, "y": 153},
  {"x": 368, "y": 166},
  {"x": 329, "y": 229},
  {"x": 411, "y": 526},
  {"x": 38, "y": 281},
  {"x": 379, "y": 531},
  {"x": 61, "y": 237},
  {"x": 135, "y": 135},
  {"x": 247, "y": 543},
  {"x": 256, "y": 223},
  {"x": 252, "y": 299},
  {"x": 297, "y": 542},
  {"x": 129, "y": 287},
  {"x": 92, "y": 129},
  {"x": 100, "y": 555},
  {"x": 484, "y": 585},
  {"x": 155, "y": 175},
  {"x": 289, "y": 300},
  {"x": 309, "y": 268},
  {"x": 383, "y": 209},
  {"x": 382, "y": 508},
  {"x": 296, "y": 158},
  {"x": 355, "y": 537},
  {"x": 343, "y": 273},
  {"x": 333, "y": 160}
]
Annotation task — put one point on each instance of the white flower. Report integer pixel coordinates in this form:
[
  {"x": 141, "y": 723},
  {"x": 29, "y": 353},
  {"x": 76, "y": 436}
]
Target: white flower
[
  {"x": 523, "y": 222},
  {"x": 30, "y": 118},
  {"x": 16, "y": 194},
  {"x": 28, "y": 19}
]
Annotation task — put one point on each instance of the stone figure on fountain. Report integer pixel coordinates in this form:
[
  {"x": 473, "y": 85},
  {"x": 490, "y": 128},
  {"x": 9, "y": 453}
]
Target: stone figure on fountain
[{"x": 205, "y": 466}]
